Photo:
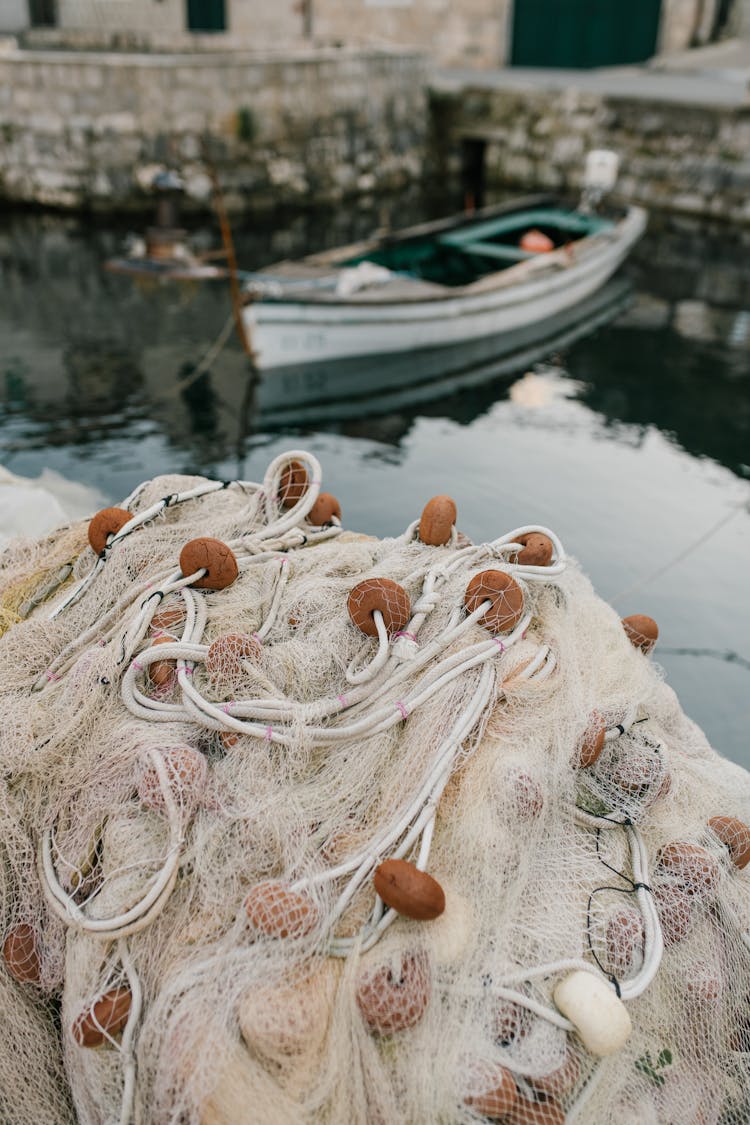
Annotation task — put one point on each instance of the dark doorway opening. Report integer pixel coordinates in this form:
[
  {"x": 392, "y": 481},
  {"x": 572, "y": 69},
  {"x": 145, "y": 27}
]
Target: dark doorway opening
[{"x": 472, "y": 173}]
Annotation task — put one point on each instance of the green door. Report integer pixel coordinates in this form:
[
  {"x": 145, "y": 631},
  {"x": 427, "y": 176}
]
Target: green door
[
  {"x": 584, "y": 33},
  {"x": 206, "y": 15}
]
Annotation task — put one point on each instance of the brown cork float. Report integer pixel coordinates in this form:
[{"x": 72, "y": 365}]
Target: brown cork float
[
  {"x": 496, "y": 1091},
  {"x": 293, "y": 485},
  {"x": 187, "y": 771},
  {"x": 21, "y": 954},
  {"x": 505, "y": 595},
  {"x": 438, "y": 520},
  {"x": 162, "y": 672},
  {"x": 105, "y": 1018},
  {"x": 561, "y": 1080},
  {"x": 392, "y": 1001},
  {"x": 625, "y": 940},
  {"x": 323, "y": 511},
  {"x": 409, "y": 891},
  {"x": 226, "y": 654},
  {"x": 691, "y": 866},
  {"x": 735, "y": 836},
  {"x": 277, "y": 911},
  {"x": 641, "y": 631},
  {"x": 171, "y": 614},
  {"x": 538, "y": 549},
  {"x": 546, "y": 1110},
  {"x": 385, "y": 595},
  {"x": 214, "y": 557},
  {"x": 592, "y": 742},
  {"x": 105, "y": 523}
]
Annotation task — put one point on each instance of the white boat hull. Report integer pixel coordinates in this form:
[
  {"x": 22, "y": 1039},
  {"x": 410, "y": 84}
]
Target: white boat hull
[{"x": 290, "y": 332}]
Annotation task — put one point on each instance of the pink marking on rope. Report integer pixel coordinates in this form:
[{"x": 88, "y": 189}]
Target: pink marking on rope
[
  {"x": 137, "y": 665},
  {"x": 226, "y": 708},
  {"x": 160, "y": 633},
  {"x": 403, "y": 633},
  {"x": 53, "y": 676},
  {"x": 188, "y": 671},
  {"x": 257, "y": 638},
  {"x": 523, "y": 634},
  {"x": 402, "y": 709},
  {"x": 342, "y": 700},
  {"x": 269, "y": 734},
  {"x": 499, "y": 643}
]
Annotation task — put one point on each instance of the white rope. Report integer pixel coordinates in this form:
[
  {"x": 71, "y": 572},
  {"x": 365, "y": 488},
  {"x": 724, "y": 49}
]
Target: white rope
[{"x": 150, "y": 905}]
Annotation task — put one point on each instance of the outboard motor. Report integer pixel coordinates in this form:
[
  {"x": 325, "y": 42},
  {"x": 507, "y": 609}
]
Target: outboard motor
[{"x": 599, "y": 177}]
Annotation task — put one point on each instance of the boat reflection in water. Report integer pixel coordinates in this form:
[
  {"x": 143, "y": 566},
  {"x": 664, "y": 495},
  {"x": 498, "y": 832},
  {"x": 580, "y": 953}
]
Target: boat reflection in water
[{"x": 369, "y": 386}]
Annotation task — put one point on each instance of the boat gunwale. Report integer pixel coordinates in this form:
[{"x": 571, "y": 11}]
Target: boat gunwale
[{"x": 516, "y": 278}]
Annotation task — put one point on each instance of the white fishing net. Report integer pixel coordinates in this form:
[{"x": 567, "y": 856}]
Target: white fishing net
[{"x": 312, "y": 847}]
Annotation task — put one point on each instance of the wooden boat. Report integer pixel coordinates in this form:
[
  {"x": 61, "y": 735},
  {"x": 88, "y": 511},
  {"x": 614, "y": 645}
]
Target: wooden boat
[
  {"x": 440, "y": 284},
  {"x": 339, "y": 391}
]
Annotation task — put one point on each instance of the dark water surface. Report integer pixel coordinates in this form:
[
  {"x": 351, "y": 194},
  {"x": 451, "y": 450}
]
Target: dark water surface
[{"x": 631, "y": 441}]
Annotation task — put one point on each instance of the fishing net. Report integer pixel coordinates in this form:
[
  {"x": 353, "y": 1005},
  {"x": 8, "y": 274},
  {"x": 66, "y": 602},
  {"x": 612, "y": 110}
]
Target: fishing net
[{"x": 302, "y": 825}]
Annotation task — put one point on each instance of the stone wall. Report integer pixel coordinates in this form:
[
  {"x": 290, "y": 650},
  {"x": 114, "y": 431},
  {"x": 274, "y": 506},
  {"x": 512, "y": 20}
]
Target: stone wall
[
  {"x": 86, "y": 129},
  {"x": 674, "y": 157}
]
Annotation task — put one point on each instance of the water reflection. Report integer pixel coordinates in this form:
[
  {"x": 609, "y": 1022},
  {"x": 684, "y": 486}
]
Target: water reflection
[{"x": 626, "y": 427}]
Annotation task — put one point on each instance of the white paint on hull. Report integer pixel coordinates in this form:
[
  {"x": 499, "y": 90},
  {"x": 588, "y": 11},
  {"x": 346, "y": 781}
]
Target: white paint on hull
[{"x": 286, "y": 332}]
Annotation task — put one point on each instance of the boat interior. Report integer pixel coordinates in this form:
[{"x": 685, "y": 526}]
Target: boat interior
[{"x": 457, "y": 257}]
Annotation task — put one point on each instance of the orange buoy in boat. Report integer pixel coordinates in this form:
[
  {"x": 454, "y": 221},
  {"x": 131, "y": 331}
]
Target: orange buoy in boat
[{"x": 536, "y": 242}]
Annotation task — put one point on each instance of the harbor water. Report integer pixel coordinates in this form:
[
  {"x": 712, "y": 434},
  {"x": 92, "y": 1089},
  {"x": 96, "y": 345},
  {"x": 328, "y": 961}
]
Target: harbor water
[{"x": 627, "y": 431}]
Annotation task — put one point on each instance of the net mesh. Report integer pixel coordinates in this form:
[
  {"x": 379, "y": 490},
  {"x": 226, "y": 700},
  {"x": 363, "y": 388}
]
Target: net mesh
[{"x": 199, "y": 786}]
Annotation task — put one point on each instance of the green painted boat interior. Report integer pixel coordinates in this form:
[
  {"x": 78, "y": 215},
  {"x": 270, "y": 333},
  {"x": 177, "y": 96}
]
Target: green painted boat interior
[{"x": 460, "y": 256}]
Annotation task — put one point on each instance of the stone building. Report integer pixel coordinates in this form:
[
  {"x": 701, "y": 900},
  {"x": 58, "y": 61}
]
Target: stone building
[{"x": 464, "y": 33}]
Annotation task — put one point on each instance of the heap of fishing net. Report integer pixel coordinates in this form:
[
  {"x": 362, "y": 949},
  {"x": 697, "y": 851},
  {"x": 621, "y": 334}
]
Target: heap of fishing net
[{"x": 301, "y": 825}]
